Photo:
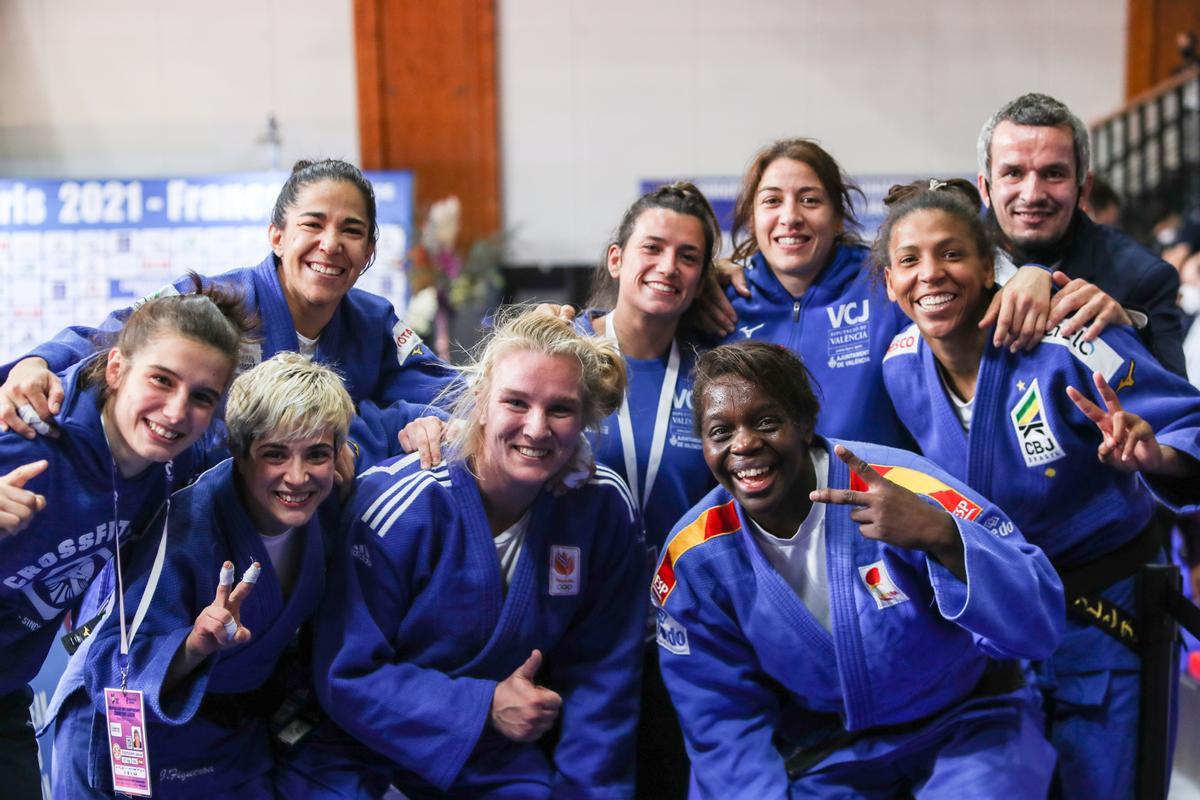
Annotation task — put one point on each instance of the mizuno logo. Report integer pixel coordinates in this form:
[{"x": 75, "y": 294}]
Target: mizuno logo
[
  {"x": 750, "y": 331},
  {"x": 1127, "y": 381}
]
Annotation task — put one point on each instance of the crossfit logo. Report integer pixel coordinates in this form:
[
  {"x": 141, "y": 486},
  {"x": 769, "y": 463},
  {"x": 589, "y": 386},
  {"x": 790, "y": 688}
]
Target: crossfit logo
[
  {"x": 1032, "y": 427},
  {"x": 59, "y": 587}
]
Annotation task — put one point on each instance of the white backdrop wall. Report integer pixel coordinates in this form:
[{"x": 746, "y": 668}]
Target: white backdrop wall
[
  {"x": 596, "y": 96},
  {"x": 593, "y": 96},
  {"x": 166, "y": 87}
]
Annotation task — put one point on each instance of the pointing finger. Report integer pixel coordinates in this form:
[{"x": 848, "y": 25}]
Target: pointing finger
[
  {"x": 858, "y": 466},
  {"x": 23, "y": 473},
  {"x": 839, "y": 497}
]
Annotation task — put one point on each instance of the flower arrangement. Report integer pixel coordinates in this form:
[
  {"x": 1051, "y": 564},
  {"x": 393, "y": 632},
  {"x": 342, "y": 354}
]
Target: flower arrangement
[{"x": 442, "y": 282}]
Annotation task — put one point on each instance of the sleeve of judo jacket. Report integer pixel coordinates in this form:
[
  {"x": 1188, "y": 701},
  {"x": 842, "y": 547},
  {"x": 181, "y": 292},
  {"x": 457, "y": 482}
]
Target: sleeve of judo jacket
[
  {"x": 424, "y": 720},
  {"x": 727, "y": 709}
]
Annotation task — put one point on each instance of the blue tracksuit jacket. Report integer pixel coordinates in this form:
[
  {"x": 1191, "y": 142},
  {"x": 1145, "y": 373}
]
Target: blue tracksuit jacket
[
  {"x": 48, "y": 567},
  {"x": 841, "y": 328}
]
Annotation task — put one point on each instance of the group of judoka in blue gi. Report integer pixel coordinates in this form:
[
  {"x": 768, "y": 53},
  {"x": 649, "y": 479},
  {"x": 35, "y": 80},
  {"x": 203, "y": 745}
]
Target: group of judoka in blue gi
[{"x": 830, "y": 614}]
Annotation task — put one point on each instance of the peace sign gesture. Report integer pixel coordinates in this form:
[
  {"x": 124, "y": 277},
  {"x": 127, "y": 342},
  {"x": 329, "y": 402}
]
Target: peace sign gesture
[
  {"x": 892, "y": 514},
  {"x": 1129, "y": 444},
  {"x": 219, "y": 625}
]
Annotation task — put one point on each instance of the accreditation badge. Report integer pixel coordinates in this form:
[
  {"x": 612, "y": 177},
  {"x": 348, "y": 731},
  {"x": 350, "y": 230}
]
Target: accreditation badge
[{"x": 125, "y": 721}]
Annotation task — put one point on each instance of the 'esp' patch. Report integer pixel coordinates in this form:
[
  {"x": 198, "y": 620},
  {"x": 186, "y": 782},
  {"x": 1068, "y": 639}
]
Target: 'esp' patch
[
  {"x": 407, "y": 342},
  {"x": 1032, "y": 427},
  {"x": 917, "y": 482},
  {"x": 564, "y": 570},
  {"x": 879, "y": 583},
  {"x": 671, "y": 636}
]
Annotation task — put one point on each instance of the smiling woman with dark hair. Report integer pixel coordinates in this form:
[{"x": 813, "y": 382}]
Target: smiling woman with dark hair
[{"x": 825, "y": 609}]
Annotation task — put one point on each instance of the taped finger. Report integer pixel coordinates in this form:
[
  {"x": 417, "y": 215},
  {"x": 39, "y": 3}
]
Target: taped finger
[
  {"x": 31, "y": 418},
  {"x": 251, "y": 574},
  {"x": 226, "y": 574},
  {"x": 231, "y": 629}
]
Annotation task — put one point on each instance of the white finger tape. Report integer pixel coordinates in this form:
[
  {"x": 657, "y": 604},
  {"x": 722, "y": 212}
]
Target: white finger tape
[
  {"x": 251, "y": 574},
  {"x": 230, "y": 629},
  {"x": 227, "y": 575},
  {"x": 31, "y": 418}
]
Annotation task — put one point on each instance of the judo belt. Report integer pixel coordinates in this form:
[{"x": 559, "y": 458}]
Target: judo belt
[
  {"x": 1000, "y": 677},
  {"x": 1082, "y": 584},
  {"x": 235, "y": 710}
]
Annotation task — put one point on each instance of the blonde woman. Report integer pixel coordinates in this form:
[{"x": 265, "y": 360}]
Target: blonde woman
[{"x": 472, "y": 609}]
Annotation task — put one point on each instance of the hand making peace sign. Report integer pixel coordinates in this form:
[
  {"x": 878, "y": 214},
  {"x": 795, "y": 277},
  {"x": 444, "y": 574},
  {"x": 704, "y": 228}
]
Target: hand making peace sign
[
  {"x": 219, "y": 625},
  {"x": 1129, "y": 443}
]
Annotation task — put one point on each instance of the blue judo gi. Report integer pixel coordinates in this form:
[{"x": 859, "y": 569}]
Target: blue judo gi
[
  {"x": 203, "y": 738},
  {"x": 417, "y": 628},
  {"x": 841, "y": 327},
  {"x": 379, "y": 357},
  {"x": 751, "y": 670},
  {"x": 1034, "y": 453}
]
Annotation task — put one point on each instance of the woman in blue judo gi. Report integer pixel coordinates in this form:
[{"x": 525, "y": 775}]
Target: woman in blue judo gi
[
  {"x": 471, "y": 608},
  {"x": 128, "y": 430},
  {"x": 836, "y": 619},
  {"x": 1075, "y": 439},
  {"x": 654, "y": 267},
  {"x": 204, "y": 650},
  {"x": 322, "y": 235}
]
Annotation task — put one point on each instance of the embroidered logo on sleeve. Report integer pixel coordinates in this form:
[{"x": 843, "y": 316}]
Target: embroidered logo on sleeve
[
  {"x": 918, "y": 482},
  {"x": 881, "y": 586},
  {"x": 564, "y": 570},
  {"x": 1097, "y": 355},
  {"x": 407, "y": 342},
  {"x": 671, "y": 636},
  {"x": 1030, "y": 423}
]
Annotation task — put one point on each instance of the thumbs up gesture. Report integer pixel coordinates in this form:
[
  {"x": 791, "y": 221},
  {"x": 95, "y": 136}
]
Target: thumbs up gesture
[
  {"x": 522, "y": 710},
  {"x": 18, "y": 505}
]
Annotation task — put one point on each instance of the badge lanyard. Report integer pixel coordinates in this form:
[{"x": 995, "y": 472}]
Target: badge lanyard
[
  {"x": 124, "y": 710},
  {"x": 658, "y": 439}
]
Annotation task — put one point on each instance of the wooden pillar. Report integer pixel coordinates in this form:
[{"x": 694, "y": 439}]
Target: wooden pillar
[
  {"x": 427, "y": 101},
  {"x": 1152, "y": 53}
]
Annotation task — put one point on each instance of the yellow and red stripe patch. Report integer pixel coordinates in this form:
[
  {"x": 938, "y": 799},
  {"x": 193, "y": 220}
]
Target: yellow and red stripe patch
[
  {"x": 712, "y": 522},
  {"x": 916, "y": 482}
]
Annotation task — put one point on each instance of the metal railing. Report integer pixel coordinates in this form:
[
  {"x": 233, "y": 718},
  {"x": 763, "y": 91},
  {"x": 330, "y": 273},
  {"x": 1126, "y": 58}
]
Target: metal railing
[{"x": 1150, "y": 151}]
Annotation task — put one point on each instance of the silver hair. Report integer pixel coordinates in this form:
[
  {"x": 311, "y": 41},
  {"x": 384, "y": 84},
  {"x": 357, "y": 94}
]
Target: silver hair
[{"x": 1040, "y": 110}]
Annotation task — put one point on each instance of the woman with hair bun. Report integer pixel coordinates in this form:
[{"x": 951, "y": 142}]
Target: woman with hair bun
[
  {"x": 322, "y": 235},
  {"x": 470, "y": 608},
  {"x": 1076, "y": 439},
  {"x": 129, "y": 427}
]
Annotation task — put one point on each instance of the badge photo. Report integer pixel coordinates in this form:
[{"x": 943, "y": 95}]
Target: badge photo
[{"x": 565, "y": 569}]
